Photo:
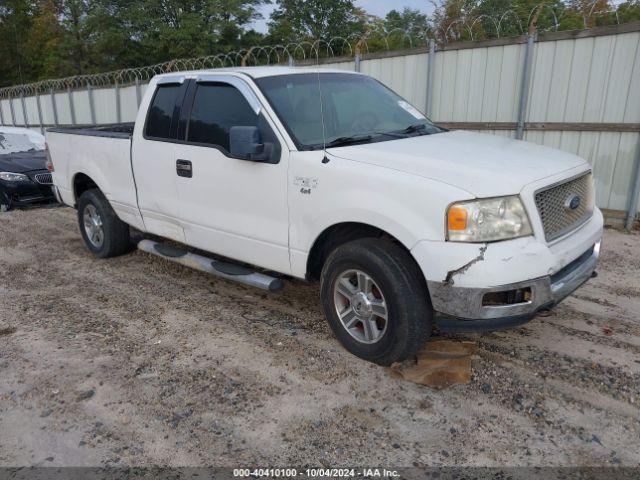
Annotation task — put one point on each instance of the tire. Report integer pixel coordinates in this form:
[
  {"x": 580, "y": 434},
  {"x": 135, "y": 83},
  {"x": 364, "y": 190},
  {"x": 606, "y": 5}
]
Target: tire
[
  {"x": 114, "y": 238},
  {"x": 395, "y": 286},
  {"x": 5, "y": 202}
]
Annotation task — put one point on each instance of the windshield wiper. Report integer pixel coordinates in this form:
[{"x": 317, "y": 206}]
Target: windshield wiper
[
  {"x": 416, "y": 127},
  {"x": 353, "y": 139},
  {"x": 348, "y": 140}
]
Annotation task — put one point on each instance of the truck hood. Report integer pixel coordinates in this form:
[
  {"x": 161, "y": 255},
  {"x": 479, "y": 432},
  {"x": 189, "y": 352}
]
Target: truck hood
[
  {"x": 483, "y": 165},
  {"x": 22, "y": 162}
]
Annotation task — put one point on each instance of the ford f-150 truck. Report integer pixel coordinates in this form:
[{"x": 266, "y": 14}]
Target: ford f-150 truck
[{"x": 256, "y": 174}]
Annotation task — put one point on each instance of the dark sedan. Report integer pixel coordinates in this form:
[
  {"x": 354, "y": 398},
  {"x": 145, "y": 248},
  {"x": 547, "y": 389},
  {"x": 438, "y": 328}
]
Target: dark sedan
[{"x": 24, "y": 178}]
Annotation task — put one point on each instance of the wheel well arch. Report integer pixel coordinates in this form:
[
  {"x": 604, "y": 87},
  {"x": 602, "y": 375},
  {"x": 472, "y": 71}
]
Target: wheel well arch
[
  {"x": 81, "y": 183},
  {"x": 339, "y": 234}
]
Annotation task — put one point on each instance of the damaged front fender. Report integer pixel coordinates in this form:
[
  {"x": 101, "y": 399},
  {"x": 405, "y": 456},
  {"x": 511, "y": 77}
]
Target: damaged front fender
[
  {"x": 483, "y": 264},
  {"x": 463, "y": 269},
  {"x": 459, "y": 275}
]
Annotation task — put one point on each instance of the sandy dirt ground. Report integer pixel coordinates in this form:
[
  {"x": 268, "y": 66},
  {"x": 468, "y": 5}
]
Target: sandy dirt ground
[{"x": 134, "y": 361}]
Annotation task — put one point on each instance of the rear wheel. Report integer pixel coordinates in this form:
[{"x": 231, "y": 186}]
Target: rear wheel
[
  {"x": 103, "y": 232},
  {"x": 375, "y": 299}
]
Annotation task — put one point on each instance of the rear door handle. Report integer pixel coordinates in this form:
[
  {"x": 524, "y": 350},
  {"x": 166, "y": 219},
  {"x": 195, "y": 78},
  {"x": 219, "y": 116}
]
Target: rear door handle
[{"x": 184, "y": 168}]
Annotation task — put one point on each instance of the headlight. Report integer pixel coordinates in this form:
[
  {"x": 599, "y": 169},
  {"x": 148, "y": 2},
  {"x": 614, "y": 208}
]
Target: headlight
[
  {"x": 487, "y": 220},
  {"x": 14, "y": 177}
]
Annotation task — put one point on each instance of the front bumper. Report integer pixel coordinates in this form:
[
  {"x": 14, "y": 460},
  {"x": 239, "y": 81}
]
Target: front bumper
[
  {"x": 462, "y": 309},
  {"x": 25, "y": 193},
  {"x": 536, "y": 274}
]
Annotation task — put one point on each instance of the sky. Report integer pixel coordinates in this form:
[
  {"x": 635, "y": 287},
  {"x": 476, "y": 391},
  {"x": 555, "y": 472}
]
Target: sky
[{"x": 376, "y": 7}]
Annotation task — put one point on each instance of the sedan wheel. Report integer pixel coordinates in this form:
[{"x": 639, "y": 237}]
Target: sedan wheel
[{"x": 5, "y": 202}]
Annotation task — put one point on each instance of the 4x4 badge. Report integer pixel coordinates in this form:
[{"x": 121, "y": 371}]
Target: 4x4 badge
[{"x": 306, "y": 184}]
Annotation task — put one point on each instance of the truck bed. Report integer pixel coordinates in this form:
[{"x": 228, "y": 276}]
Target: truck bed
[
  {"x": 113, "y": 130},
  {"x": 102, "y": 153}
]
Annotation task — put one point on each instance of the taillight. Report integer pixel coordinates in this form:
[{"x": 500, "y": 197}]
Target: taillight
[{"x": 49, "y": 163}]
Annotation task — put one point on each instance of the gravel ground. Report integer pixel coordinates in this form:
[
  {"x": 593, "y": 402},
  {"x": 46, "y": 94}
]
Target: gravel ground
[{"x": 135, "y": 361}]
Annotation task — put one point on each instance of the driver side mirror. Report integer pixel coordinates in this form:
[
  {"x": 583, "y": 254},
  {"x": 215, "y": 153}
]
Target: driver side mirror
[{"x": 246, "y": 143}]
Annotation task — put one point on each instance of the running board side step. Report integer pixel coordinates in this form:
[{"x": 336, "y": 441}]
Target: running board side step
[{"x": 228, "y": 271}]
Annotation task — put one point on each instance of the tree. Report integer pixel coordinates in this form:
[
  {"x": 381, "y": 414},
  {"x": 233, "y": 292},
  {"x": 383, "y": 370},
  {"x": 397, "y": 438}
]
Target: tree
[
  {"x": 399, "y": 27},
  {"x": 168, "y": 29},
  {"x": 43, "y": 46},
  {"x": 629, "y": 11},
  {"x": 16, "y": 18},
  {"x": 460, "y": 19},
  {"x": 76, "y": 41},
  {"x": 408, "y": 20},
  {"x": 450, "y": 17},
  {"x": 315, "y": 19},
  {"x": 53, "y": 38}
]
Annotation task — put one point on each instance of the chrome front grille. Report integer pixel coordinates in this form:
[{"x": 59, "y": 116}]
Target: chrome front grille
[
  {"x": 565, "y": 206},
  {"x": 44, "y": 179}
]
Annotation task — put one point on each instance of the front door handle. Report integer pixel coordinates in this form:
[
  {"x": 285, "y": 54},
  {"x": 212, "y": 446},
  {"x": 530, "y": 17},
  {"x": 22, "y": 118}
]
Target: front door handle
[{"x": 184, "y": 168}]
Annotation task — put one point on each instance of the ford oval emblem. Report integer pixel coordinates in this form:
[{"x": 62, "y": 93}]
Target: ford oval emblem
[{"x": 572, "y": 202}]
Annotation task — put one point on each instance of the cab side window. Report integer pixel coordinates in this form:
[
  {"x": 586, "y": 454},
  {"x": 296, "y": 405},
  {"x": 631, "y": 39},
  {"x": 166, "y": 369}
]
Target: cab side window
[
  {"x": 216, "y": 108},
  {"x": 161, "y": 118}
]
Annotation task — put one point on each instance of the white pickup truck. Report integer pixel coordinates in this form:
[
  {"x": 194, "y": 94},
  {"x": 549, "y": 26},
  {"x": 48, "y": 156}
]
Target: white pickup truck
[{"x": 329, "y": 176}]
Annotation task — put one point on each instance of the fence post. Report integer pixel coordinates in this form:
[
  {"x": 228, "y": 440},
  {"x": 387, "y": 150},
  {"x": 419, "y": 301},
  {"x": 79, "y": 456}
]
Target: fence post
[
  {"x": 25, "y": 115},
  {"x": 72, "y": 107},
  {"x": 138, "y": 95},
  {"x": 55, "y": 108},
  {"x": 92, "y": 110},
  {"x": 39, "y": 113},
  {"x": 291, "y": 62},
  {"x": 358, "y": 59},
  {"x": 524, "y": 86},
  {"x": 13, "y": 114},
  {"x": 635, "y": 191},
  {"x": 430, "y": 72},
  {"x": 1, "y": 114},
  {"x": 118, "y": 114}
]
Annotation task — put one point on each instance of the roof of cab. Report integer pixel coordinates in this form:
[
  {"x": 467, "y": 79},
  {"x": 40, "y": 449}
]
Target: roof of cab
[{"x": 258, "y": 72}]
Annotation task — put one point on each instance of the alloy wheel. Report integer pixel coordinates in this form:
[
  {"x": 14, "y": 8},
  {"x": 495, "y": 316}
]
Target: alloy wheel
[
  {"x": 93, "y": 226},
  {"x": 361, "y": 306}
]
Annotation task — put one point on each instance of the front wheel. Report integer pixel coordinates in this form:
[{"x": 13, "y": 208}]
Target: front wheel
[
  {"x": 375, "y": 299},
  {"x": 103, "y": 232},
  {"x": 5, "y": 202}
]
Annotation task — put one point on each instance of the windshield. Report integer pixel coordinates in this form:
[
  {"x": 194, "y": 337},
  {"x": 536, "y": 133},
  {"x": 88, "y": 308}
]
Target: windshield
[
  {"x": 356, "y": 109},
  {"x": 18, "y": 142}
]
